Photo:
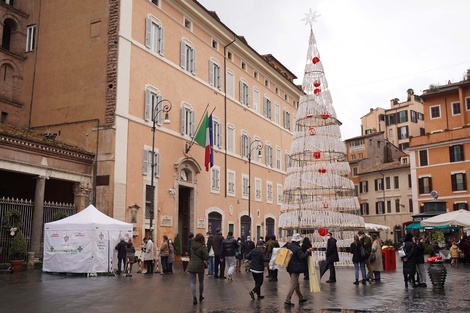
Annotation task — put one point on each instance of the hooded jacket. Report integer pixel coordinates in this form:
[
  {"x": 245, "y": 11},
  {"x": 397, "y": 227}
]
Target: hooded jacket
[{"x": 198, "y": 254}]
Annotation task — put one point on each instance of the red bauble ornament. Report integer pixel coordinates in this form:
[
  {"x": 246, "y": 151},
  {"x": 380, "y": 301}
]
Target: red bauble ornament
[
  {"x": 312, "y": 131},
  {"x": 322, "y": 232},
  {"x": 322, "y": 170},
  {"x": 316, "y": 155},
  {"x": 315, "y": 60},
  {"x": 317, "y": 91},
  {"x": 309, "y": 115},
  {"x": 316, "y": 83},
  {"x": 325, "y": 115}
]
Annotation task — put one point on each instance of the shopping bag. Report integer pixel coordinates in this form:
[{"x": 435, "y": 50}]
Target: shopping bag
[
  {"x": 283, "y": 257},
  {"x": 312, "y": 275},
  {"x": 273, "y": 266}
]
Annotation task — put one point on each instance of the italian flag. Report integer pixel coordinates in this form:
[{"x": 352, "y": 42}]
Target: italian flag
[{"x": 204, "y": 138}]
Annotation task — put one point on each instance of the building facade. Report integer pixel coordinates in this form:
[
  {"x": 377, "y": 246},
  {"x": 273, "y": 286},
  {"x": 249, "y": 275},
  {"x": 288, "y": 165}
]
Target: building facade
[{"x": 101, "y": 75}]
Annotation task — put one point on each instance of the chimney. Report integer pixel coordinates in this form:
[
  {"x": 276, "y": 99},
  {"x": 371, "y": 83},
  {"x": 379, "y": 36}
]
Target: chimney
[{"x": 468, "y": 74}]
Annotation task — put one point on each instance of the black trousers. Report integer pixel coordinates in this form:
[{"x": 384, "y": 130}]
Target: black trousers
[
  {"x": 217, "y": 263},
  {"x": 331, "y": 267},
  {"x": 258, "y": 277}
]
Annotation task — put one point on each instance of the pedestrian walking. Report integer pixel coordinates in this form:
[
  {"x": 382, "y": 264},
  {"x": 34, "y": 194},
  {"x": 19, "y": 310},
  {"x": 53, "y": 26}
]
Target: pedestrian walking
[
  {"x": 375, "y": 257},
  {"x": 248, "y": 245},
  {"x": 130, "y": 256},
  {"x": 454, "y": 254},
  {"x": 296, "y": 266},
  {"x": 196, "y": 265},
  {"x": 219, "y": 265},
  {"x": 239, "y": 254},
  {"x": 148, "y": 255},
  {"x": 164, "y": 254},
  {"x": 210, "y": 265},
  {"x": 367, "y": 242},
  {"x": 358, "y": 260},
  {"x": 121, "y": 254},
  {"x": 229, "y": 248},
  {"x": 331, "y": 257},
  {"x": 409, "y": 262},
  {"x": 306, "y": 244},
  {"x": 272, "y": 244},
  {"x": 258, "y": 259}
]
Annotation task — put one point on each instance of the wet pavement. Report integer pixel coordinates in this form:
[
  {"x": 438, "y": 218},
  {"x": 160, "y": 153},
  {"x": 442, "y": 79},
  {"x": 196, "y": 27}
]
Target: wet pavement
[{"x": 35, "y": 291}]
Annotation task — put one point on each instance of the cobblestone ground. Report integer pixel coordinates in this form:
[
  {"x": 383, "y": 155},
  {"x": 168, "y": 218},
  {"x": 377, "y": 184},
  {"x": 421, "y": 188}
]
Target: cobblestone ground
[{"x": 35, "y": 291}]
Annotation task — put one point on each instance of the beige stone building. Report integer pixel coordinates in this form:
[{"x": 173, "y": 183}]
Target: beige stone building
[{"x": 96, "y": 74}]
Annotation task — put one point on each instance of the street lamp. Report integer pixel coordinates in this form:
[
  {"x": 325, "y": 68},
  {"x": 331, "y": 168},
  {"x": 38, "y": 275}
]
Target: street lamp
[
  {"x": 258, "y": 145},
  {"x": 155, "y": 111}
]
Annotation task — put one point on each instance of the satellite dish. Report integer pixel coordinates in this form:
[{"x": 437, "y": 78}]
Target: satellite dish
[{"x": 434, "y": 194}]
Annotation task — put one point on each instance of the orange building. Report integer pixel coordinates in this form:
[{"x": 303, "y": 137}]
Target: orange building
[
  {"x": 96, "y": 74},
  {"x": 440, "y": 159}
]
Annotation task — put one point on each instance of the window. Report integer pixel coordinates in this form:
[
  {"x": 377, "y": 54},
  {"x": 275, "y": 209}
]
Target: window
[
  {"x": 409, "y": 180},
  {"x": 365, "y": 208},
  {"x": 379, "y": 184},
  {"x": 459, "y": 182},
  {"x": 267, "y": 108},
  {"x": 149, "y": 193},
  {"x": 187, "y": 23},
  {"x": 391, "y": 119},
  {"x": 245, "y": 148},
  {"x": 456, "y": 153},
  {"x": 286, "y": 160},
  {"x": 397, "y": 205},
  {"x": 255, "y": 75},
  {"x": 152, "y": 99},
  {"x": 387, "y": 183},
  {"x": 356, "y": 190},
  {"x": 229, "y": 55},
  {"x": 188, "y": 57},
  {"x": 187, "y": 121},
  {"x": 404, "y": 146},
  {"x": 402, "y": 116},
  {"x": 414, "y": 116},
  {"x": 403, "y": 132},
  {"x": 244, "y": 93},
  {"x": 266, "y": 83},
  {"x": 360, "y": 156},
  {"x": 268, "y": 154},
  {"x": 390, "y": 132},
  {"x": 30, "y": 38},
  {"x": 278, "y": 158},
  {"x": 245, "y": 186},
  {"x": 467, "y": 104},
  {"x": 277, "y": 113},
  {"x": 364, "y": 186},
  {"x": 410, "y": 205},
  {"x": 215, "y": 44},
  {"x": 230, "y": 84},
  {"x": 354, "y": 172},
  {"x": 279, "y": 194},
  {"x": 231, "y": 183},
  {"x": 217, "y": 133},
  {"x": 435, "y": 111},
  {"x": 423, "y": 157},
  {"x": 269, "y": 192},
  {"x": 379, "y": 207},
  {"x": 147, "y": 163},
  {"x": 256, "y": 100},
  {"x": 425, "y": 185},
  {"x": 215, "y": 179},
  {"x": 257, "y": 189},
  {"x": 460, "y": 206},
  {"x": 396, "y": 182},
  {"x": 353, "y": 157},
  {"x": 244, "y": 66},
  {"x": 286, "y": 120},
  {"x": 389, "y": 206},
  {"x": 230, "y": 138},
  {"x": 3, "y": 118},
  {"x": 156, "y": 2},
  {"x": 154, "y": 34},
  {"x": 455, "y": 108},
  {"x": 214, "y": 74}
]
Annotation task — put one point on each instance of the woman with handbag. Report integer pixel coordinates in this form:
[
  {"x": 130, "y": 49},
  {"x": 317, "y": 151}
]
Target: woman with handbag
[
  {"x": 197, "y": 266},
  {"x": 358, "y": 260},
  {"x": 376, "y": 256}
]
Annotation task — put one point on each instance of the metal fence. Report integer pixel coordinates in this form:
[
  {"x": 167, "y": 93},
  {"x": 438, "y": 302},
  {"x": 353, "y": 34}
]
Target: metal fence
[{"x": 25, "y": 207}]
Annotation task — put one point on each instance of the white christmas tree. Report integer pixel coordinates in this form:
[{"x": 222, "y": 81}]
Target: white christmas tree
[{"x": 318, "y": 195}]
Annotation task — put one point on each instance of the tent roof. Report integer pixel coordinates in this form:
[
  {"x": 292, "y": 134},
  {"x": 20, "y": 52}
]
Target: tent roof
[
  {"x": 89, "y": 218},
  {"x": 376, "y": 227},
  {"x": 454, "y": 218}
]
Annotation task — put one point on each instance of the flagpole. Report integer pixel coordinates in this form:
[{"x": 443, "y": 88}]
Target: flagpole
[{"x": 190, "y": 144}]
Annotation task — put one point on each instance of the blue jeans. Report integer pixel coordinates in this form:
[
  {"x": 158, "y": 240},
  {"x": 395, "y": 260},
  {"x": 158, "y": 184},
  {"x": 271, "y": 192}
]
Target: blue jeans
[
  {"x": 210, "y": 267},
  {"x": 356, "y": 270}
]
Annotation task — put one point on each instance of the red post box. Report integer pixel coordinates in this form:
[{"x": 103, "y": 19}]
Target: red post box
[{"x": 389, "y": 259}]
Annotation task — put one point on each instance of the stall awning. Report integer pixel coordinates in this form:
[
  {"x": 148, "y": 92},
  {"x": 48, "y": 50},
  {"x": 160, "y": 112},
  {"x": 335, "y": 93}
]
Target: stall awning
[
  {"x": 417, "y": 225},
  {"x": 414, "y": 225}
]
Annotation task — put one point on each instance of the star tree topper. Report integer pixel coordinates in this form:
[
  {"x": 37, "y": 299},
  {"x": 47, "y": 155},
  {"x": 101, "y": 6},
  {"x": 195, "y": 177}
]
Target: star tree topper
[{"x": 310, "y": 17}]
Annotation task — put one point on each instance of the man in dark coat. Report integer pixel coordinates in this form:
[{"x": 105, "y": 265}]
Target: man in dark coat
[
  {"x": 229, "y": 247},
  {"x": 217, "y": 246},
  {"x": 210, "y": 244},
  {"x": 409, "y": 261},
  {"x": 122, "y": 254},
  {"x": 258, "y": 259},
  {"x": 367, "y": 243},
  {"x": 331, "y": 257},
  {"x": 297, "y": 265},
  {"x": 248, "y": 245},
  {"x": 419, "y": 258}
]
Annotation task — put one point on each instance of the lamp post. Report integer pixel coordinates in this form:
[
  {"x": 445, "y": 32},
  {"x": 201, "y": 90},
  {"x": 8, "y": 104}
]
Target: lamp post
[
  {"x": 155, "y": 110},
  {"x": 258, "y": 145}
]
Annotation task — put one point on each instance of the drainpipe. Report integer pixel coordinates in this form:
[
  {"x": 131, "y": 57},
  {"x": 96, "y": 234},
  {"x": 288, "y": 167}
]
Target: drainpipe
[{"x": 225, "y": 111}]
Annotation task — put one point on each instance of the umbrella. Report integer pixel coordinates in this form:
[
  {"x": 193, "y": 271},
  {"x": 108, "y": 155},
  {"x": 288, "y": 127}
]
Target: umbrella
[
  {"x": 376, "y": 227},
  {"x": 456, "y": 218},
  {"x": 323, "y": 265}
]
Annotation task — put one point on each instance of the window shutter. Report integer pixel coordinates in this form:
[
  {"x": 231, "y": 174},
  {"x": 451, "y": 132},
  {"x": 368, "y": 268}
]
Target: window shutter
[
  {"x": 148, "y": 100},
  {"x": 144, "y": 162},
  {"x": 360, "y": 187},
  {"x": 265, "y": 107},
  {"x": 376, "y": 182},
  {"x": 148, "y": 32},
  {"x": 211, "y": 73},
  {"x": 219, "y": 135},
  {"x": 451, "y": 153},
  {"x": 191, "y": 125},
  {"x": 183, "y": 55},
  {"x": 241, "y": 91},
  {"x": 421, "y": 186},
  {"x": 183, "y": 121},
  {"x": 377, "y": 208},
  {"x": 161, "y": 41},
  {"x": 157, "y": 165},
  {"x": 193, "y": 61},
  {"x": 464, "y": 183},
  {"x": 219, "y": 78}
]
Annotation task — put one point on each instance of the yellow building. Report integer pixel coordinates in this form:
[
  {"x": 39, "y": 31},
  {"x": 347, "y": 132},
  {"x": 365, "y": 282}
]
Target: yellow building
[{"x": 96, "y": 73}]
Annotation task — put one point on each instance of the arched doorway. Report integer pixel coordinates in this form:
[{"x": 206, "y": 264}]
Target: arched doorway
[
  {"x": 215, "y": 221},
  {"x": 244, "y": 226},
  {"x": 269, "y": 226}
]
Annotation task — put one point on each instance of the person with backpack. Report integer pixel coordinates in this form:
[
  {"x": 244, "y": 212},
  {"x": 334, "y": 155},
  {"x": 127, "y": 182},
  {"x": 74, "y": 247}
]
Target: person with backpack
[{"x": 295, "y": 267}]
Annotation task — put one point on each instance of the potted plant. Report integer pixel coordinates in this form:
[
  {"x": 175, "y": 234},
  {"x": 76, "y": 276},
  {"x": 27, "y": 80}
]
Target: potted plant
[
  {"x": 178, "y": 248},
  {"x": 18, "y": 251}
]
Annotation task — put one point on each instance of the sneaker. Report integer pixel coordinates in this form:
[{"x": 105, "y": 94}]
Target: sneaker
[
  {"x": 356, "y": 282},
  {"x": 230, "y": 278},
  {"x": 329, "y": 281},
  {"x": 303, "y": 300},
  {"x": 288, "y": 303},
  {"x": 423, "y": 285},
  {"x": 222, "y": 277},
  {"x": 260, "y": 297},
  {"x": 252, "y": 295}
]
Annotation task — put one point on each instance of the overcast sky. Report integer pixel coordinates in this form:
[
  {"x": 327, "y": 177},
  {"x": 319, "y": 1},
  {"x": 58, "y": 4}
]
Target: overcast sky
[{"x": 372, "y": 50}]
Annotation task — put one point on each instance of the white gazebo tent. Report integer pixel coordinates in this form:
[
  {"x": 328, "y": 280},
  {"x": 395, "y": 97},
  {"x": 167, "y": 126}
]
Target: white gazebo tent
[
  {"x": 83, "y": 242},
  {"x": 376, "y": 227},
  {"x": 454, "y": 218}
]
